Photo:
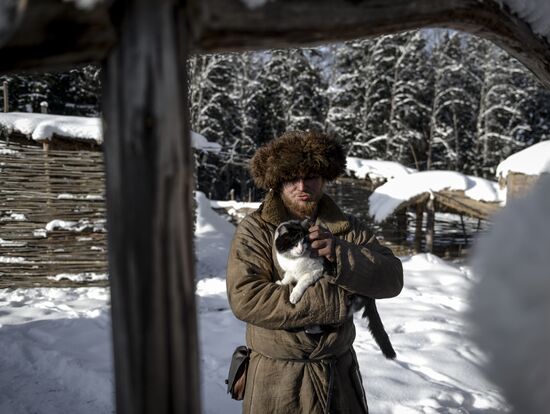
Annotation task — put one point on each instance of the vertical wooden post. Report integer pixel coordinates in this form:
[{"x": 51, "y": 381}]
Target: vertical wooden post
[
  {"x": 430, "y": 225},
  {"x": 418, "y": 230},
  {"x": 401, "y": 216},
  {"x": 44, "y": 107},
  {"x": 6, "y": 96},
  {"x": 149, "y": 171}
]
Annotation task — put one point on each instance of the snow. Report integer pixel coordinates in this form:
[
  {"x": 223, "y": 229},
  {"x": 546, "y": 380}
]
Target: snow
[
  {"x": 511, "y": 302},
  {"x": 376, "y": 168},
  {"x": 212, "y": 238},
  {"x": 76, "y": 226},
  {"x": 198, "y": 141},
  {"x": 534, "y": 12},
  {"x": 12, "y": 216},
  {"x": 80, "y": 277},
  {"x": 534, "y": 160},
  {"x": 42, "y": 127},
  {"x": 386, "y": 198},
  {"x": 55, "y": 343},
  {"x": 234, "y": 204}
]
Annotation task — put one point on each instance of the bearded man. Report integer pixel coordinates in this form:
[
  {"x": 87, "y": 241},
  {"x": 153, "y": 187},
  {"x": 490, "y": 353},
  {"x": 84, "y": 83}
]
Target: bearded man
[{"x": 291, "y": 369}]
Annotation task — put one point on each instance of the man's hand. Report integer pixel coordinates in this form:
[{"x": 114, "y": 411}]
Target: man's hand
[{"x": 322, "y": 242}]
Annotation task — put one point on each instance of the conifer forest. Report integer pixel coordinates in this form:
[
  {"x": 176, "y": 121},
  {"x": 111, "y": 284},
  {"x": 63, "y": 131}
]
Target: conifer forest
[{"x": 429, "y": 99}]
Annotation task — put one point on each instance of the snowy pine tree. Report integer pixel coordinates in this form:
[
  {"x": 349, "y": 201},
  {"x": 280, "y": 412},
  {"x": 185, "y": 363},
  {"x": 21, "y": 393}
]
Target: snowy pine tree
[
  {"x": 306, "y": 101},
  {"x": 346, "y": 92},
  {"x": 457, "y": 84},
  {"x": 502, "y": 126},
  {"x": 410, "y": 103}
]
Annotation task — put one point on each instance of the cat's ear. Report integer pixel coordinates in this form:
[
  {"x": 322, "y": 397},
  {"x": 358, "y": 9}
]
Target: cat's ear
[{"x": 282, "y": 230}]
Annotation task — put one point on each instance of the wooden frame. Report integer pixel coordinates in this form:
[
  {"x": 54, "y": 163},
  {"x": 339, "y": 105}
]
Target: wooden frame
[{"x": 143, "y": 46}]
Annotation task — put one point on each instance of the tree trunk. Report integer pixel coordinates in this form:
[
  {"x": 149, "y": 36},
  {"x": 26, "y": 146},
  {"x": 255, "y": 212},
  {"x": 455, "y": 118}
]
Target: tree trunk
[{"x": 149, "y": 198}]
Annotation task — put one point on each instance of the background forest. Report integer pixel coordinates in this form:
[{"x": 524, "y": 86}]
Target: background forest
[{"x": 429, "y": 99}]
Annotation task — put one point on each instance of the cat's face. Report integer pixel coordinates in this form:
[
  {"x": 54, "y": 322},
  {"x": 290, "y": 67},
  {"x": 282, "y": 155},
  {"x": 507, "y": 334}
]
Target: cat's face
[{"x": 291, "y": 237}]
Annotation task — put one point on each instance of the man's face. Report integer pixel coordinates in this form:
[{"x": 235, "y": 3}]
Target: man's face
[{"x": 301, "y": 195}]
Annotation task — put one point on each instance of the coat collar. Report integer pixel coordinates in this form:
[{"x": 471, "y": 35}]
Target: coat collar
[{"x": 329, "y": 214}]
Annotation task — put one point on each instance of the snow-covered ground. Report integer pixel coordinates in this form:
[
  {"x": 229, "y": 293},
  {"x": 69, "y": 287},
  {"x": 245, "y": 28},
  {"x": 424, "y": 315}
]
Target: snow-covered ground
[{"x": 55, "y": 349}]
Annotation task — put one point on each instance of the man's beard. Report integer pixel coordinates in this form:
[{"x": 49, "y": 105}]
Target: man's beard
[{"x": 300, "y": 209}]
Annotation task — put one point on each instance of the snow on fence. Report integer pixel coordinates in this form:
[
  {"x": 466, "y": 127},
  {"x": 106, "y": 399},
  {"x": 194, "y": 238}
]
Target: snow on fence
[{"x": 52, "y": 217}]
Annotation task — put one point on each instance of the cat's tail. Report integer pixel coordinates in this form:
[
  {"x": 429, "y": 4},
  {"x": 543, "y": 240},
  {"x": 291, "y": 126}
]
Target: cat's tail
[{"x": 377, "y": 330}]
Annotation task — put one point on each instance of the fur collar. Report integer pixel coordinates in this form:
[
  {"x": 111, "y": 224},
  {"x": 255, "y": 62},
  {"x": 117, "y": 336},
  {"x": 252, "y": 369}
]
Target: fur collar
[{"x": 329, "y": 214}]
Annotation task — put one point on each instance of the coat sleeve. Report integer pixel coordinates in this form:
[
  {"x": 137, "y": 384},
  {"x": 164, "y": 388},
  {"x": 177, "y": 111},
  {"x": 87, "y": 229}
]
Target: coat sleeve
[
  {"x": 256, "y": 299},
  {"x": 365, "y": 267}
]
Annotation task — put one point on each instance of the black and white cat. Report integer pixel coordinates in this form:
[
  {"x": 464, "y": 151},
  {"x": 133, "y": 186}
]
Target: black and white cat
[{"x": 292, "y": 251}]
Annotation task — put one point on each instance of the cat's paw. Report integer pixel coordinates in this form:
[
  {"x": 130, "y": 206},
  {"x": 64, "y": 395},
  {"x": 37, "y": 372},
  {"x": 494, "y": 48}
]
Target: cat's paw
[{"x": 295, "y": 297}]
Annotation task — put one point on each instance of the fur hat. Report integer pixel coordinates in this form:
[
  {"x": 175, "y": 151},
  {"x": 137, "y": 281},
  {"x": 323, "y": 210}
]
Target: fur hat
[{"x": 297, "y": 154}]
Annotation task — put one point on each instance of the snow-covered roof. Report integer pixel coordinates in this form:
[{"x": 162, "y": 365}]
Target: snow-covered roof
[
  {"x": 534, "y": 12},
  {"x": 376, "y": 168},
  {"x": 534, "y": 160},
  {"x": 42, "y": 127},
  {"x": 386, "y": 198},
  {"x": 199, "y": 141}
]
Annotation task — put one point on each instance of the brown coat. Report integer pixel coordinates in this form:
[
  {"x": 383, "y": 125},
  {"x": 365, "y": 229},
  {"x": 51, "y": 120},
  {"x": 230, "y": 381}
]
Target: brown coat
[{"x": 291, "y": 371}]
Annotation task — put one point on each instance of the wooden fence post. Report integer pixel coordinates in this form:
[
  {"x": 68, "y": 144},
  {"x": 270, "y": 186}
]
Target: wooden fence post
[
  {"x": 149, "y": 171},
  {"x": 418, "y": 230},
  {"x": 430, "y": 224},
  {"x": 6, "y": 96}
]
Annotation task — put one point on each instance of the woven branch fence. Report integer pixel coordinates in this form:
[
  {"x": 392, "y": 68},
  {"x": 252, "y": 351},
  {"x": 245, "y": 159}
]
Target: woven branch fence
[{"x": 36, "y": 189}]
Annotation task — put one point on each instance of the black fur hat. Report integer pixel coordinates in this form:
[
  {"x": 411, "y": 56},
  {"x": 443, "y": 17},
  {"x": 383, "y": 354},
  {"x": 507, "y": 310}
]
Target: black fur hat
[{"x": 297, "y": 154}]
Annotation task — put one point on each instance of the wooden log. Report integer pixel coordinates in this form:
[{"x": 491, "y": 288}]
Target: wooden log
[
  {"x": 149, "y": 211},
  {"x": 430, "y": 225},
  {"x": 223, "y": 25},
  {"x": 6, "y": 97},
  {"x": 418, "y": 230},
  {"x": 47, "y": 34},
  {"x": 54, "y": 34},
  {"x": 401, "y": 216}
]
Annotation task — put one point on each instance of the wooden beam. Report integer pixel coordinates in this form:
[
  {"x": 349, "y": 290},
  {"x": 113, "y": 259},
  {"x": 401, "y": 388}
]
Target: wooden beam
[
  {"x": 149, "y": 170},
  {"x": 53, "y": 34},
  {"x": 46, "y": 34},
  {"x": 224, "y": 25}
]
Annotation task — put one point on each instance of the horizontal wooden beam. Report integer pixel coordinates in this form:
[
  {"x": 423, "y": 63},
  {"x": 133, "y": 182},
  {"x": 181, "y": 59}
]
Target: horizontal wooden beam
[
  {"x": 227, "y": 25},
  {"x": 46, "y": 34},
  {"x": 53, "y": 34}
]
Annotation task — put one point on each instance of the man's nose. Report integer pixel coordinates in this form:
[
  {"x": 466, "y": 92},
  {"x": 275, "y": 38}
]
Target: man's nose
[{"x": 300, "y": 185}]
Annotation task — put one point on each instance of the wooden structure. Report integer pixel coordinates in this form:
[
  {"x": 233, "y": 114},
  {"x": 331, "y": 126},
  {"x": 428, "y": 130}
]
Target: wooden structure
[
  {"x": 143, "y": 46},
  {"x": 449, "y": 201},
  {"x": 517, "y": 184},
  {"x": 41, "y": 187}
]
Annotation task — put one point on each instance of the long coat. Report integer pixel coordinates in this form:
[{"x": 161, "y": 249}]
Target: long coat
[{"x": 291, "y": 371}]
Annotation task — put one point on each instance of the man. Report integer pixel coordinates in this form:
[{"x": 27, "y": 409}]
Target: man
[{"x": 292, "y": 368}]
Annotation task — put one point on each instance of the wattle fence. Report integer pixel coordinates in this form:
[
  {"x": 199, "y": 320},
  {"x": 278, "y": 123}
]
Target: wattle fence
[{"x": 52, "y": 217}]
